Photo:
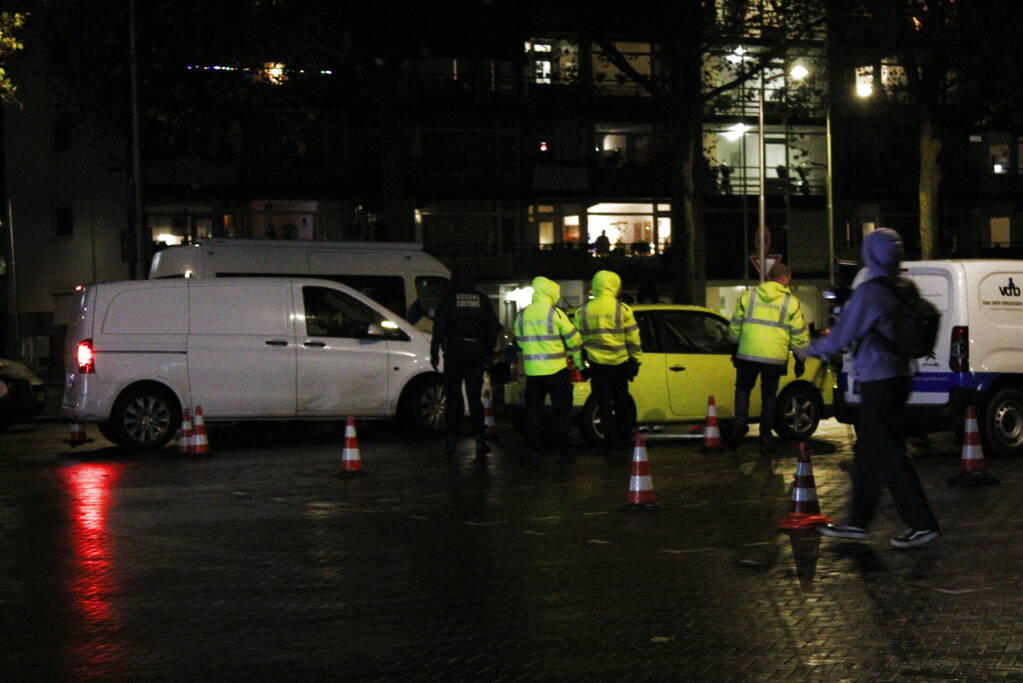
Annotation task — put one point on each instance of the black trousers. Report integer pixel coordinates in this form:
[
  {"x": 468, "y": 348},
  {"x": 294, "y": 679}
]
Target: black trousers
[
  {"x": 610, "y": 386},
  {"x": 881, "y": 460},
  {"x": 559, "y": 388},
  {"x": 467, "y": 369},
  {"x": 746, "y": 373}
]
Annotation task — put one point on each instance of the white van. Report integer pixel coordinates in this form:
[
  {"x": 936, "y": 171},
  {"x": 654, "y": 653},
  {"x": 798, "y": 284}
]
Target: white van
[
  {"x": 978, "y": 358},
  {"x": 399, "y": 275},
  {"x": 244, "y": 349}
]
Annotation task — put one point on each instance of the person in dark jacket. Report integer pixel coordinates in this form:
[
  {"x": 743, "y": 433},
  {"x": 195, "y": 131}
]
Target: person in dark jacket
[
  {"x": 885, "y": 382},
  {"x": 466, "y": 328}
]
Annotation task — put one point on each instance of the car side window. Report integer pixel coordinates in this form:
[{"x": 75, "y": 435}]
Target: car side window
[
  {"x": 647, "y": 332},
  {"x": 695, "y": 332},
  {"x": 709, "y": 334},
  {"x": 330, "y": 313}
]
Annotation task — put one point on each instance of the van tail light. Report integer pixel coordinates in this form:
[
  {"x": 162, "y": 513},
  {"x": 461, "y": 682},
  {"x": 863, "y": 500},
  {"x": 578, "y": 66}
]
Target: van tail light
[
  {"x": 86, "y": 358},
  {"x": 959, "y": 351}
]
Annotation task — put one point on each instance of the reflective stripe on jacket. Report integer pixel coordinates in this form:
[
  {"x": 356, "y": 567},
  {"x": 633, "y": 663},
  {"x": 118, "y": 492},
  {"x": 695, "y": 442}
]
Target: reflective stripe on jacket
[
  {"x": 768, "y": 323},
  {"x": 609, "y": 330},
  {"x": 545, "y": 334}
]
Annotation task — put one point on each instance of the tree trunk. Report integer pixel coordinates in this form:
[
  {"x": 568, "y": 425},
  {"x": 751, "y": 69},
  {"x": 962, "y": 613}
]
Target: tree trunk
[
  {"x": 930, "y": 183},
  {"x": 685, "y": 58}
]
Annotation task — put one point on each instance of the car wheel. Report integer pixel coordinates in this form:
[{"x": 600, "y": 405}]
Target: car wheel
[
  {"x": 799, "y": 412},
  {"x": 589, "y": 423},
  {"x": 144, "y": 418},
  {"x": 1003, "y": 423},
  {"x": 423, "y": 405}
]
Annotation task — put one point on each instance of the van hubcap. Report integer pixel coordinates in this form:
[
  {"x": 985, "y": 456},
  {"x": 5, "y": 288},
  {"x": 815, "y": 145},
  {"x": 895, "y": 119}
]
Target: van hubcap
[
  {"x": 146, "y": 419},
  {"x": 1008, "y": 423}
]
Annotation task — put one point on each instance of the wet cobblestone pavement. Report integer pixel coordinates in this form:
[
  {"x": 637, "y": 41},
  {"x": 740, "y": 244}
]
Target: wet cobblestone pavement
[{"x": 259, "y": 563}]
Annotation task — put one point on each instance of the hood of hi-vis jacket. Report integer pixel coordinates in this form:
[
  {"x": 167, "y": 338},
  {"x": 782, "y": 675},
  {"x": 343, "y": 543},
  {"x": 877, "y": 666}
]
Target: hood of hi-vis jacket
[
  {"x": 545, "y": 291},
  {"x": 768, "y": 322},
  {"x": 609, "y": 329},
  {"x": 605, "y": 283}
]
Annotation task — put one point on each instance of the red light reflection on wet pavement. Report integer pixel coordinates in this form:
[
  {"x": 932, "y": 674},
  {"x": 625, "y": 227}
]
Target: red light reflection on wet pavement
[{"x": 93, "y": 578}]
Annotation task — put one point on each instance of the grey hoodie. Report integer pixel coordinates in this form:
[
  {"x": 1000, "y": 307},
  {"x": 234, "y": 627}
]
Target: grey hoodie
[{"x": 866, "y": 318}]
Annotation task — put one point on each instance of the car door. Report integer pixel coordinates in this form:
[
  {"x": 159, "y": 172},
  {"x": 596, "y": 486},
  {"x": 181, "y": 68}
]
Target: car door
[
  {"x": 649, "y": 389},
  {"x": 698, "y": 359},
  {"x": 241, "y": 349},
  {"x": 342, "y": 363}
]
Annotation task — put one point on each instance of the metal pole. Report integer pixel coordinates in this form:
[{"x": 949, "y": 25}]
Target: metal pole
[
  {"x": 762, "y": 200},
  {"x": 830, "y": 190},
  {"x": 13, "y": 300},
  {"x": 141, "y": 241}
]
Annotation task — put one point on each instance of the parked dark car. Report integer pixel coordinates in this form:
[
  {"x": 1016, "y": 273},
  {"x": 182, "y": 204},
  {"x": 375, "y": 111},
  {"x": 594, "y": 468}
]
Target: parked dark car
[{"x": 22, "y": 394}]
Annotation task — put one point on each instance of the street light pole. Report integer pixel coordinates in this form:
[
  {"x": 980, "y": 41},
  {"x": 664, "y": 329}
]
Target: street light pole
[
  {"x": 762, "y": 199},
  {"x": 830, "y": 191}
]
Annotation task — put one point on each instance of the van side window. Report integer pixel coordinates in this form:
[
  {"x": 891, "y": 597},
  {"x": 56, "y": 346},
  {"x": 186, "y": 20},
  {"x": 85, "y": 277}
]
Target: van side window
[
  {"x": 430, "y": 289},
  {"x": 388, "y": 290},
  {"x": 330, "y": 313}
]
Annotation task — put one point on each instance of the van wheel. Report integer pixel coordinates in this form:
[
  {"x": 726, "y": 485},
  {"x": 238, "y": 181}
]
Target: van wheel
[
  {"x": 1003, "y": 423},
  {"x": 144, "y": 418},
  {"x": 422, "y": 407},
  {"x": 799, "y": 412}
]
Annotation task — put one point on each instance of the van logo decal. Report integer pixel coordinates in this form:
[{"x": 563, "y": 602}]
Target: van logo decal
[{"x": 1010, "y": 289}]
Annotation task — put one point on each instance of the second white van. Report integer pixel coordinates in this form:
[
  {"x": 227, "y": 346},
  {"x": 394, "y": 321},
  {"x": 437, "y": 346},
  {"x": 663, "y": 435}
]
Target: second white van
[
  {"x": 399, "y": 275},
  {"x": 138, "y": 352}
]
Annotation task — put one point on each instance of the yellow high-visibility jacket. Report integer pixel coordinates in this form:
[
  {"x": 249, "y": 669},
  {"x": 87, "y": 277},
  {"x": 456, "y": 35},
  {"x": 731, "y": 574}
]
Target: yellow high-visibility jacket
[
  {"x": 768, "y": 323},
  {"x": 545, "y": 334},
  {"x": 609, "y": 329}
]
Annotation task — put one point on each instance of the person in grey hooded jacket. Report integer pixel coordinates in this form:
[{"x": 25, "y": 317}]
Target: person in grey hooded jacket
[{"x": 885, "y": 382}]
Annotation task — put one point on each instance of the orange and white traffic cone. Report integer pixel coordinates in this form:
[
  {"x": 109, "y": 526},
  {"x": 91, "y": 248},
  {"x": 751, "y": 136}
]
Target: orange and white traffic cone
[
  {"x": 806, "y": 510},
  {"x": 488, "y": 410},
  {"x": 76, "y": 435},
  {"x": 351, "y": 460},
  {"x": 185, "y": 439},
  {"x": 200, "y": 445},
  {"x": 972, "y": 471},
  {"x": 711, "y": 431},
  {"x": 641, "y": 486}
]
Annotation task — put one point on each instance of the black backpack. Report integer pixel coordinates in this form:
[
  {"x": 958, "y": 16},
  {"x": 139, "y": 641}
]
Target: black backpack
[{"x": 916, "y": 319}]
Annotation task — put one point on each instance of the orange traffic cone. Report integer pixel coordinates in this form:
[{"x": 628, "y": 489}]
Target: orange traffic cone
[
  {"x": 351, "y": 461},
  {"x": 488, "y": 410},
  {"x": 76, "y": 435},
  {"x": 641, "y": 487},
  {"x": 185, "y": 439},
  {"x": 972, "y": 472},
  {"x": 806, "y": 510},
  {"x": 711, "y": 431},
  {"x": 200, "y": 445}
]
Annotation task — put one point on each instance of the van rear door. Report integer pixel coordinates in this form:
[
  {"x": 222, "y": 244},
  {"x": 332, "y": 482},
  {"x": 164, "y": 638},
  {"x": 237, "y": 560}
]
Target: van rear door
[{"x": 241, "y": 348}]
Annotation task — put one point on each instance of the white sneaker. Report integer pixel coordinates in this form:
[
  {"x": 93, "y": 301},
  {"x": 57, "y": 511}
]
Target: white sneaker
[
  {"x": 914, "y": 537},
  {"x": 843, "y": 531}
]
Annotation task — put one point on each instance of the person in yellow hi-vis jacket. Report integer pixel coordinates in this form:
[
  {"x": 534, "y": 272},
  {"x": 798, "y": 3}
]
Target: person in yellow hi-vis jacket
[
  {"x": 767, "y": 324},
  {"x": 547, "y": 338},
  {"x": 612, "y": 344}
]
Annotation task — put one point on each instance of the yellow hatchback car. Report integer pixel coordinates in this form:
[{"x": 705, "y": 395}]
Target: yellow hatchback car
[{"x": 687, "y": 358}]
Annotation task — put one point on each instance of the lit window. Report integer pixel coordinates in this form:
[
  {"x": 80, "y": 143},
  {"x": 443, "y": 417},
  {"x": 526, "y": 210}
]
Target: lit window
[
  {"x": 273, "y": 73},
  {"x": 865, "y": 81}
]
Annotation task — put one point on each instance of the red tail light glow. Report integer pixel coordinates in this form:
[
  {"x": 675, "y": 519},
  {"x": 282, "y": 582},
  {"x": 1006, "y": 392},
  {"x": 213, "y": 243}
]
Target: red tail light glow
[
  {"x": 86, "y": 358},
  {"x": 959, "y": 351}
]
